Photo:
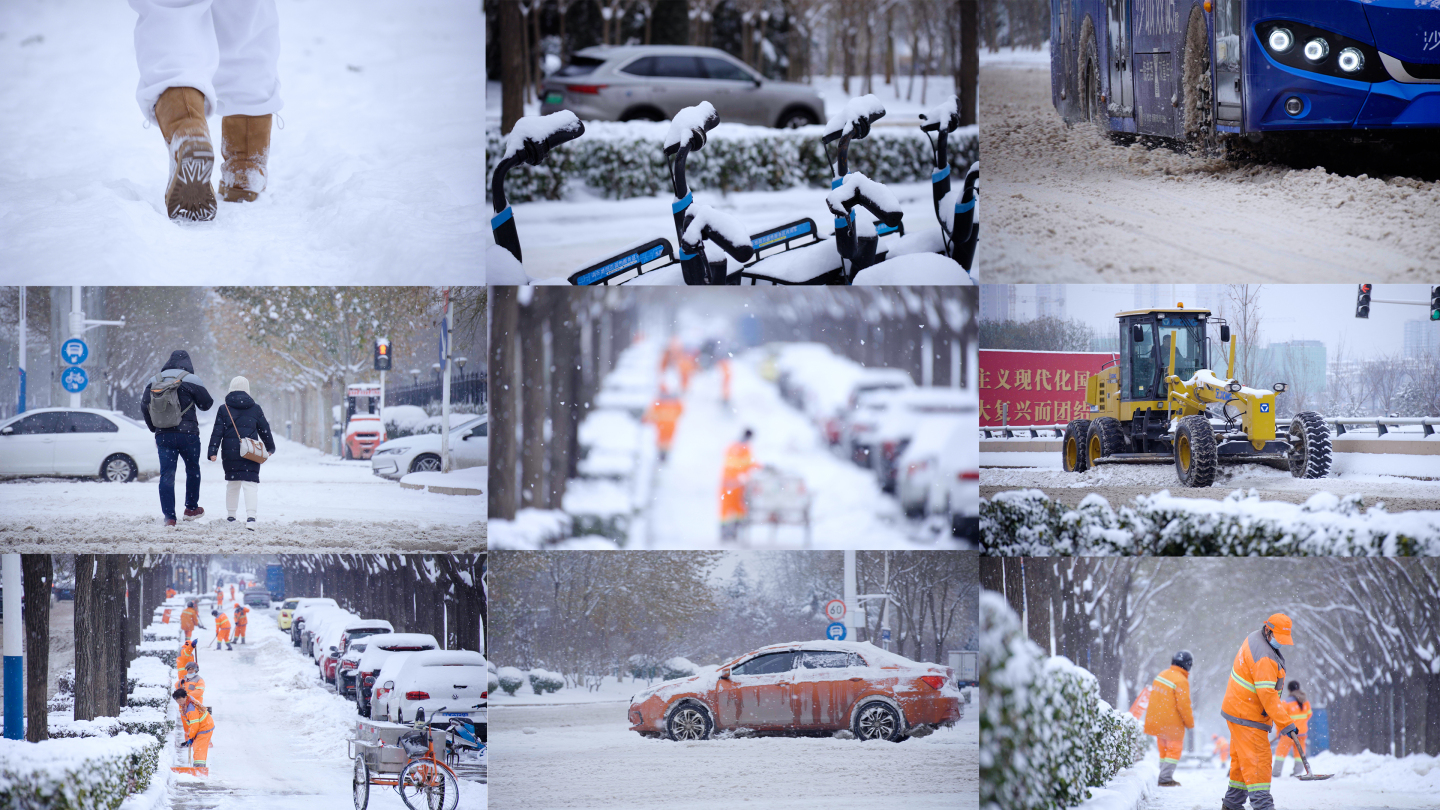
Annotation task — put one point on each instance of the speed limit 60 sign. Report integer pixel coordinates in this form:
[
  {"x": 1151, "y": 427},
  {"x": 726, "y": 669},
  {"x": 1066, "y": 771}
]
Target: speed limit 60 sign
[{"x": 835, "y": 610}]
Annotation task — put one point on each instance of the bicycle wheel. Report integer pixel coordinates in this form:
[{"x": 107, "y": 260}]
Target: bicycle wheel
[
  {"x": 360, "y": 783},
  {"x": 428, "y": 785}
]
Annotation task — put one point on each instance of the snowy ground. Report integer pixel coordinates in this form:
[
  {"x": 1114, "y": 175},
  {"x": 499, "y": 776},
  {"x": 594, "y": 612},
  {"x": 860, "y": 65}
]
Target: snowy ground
[
  {"x": 848, "y": 510},
  {"x": 306, "y": 499},
  {"x": 380, "y": 164},
  {"x": 279, "y": 739},
  {"x": 1361, "y": 782},
  {"x": 1119, "y": 483},
  {"x": 1065, "y": 205},
  {"x": 586, "y": 756}
]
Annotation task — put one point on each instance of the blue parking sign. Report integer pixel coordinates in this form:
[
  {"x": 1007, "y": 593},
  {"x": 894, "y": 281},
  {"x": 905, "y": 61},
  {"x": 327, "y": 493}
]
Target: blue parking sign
[
  {"x": 835, "y": 631},
  {"x": 74, "y": 379},
  {"x": 74, "y": 351}
]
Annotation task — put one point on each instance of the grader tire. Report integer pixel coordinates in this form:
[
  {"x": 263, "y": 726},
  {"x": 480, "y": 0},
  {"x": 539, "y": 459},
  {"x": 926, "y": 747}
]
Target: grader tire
[
  {"x": 1195, "y": 453},
  {"x": 1106, "y": 438},
  {"x": 1072, "y": 452},
  {"x": 1309, "y": 446}
]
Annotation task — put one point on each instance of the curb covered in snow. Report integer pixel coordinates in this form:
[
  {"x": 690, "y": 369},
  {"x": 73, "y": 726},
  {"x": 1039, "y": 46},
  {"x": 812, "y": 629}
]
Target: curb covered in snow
[
  {"x": 1128, "y": 790},
  {"x": 468, "y": 481}
]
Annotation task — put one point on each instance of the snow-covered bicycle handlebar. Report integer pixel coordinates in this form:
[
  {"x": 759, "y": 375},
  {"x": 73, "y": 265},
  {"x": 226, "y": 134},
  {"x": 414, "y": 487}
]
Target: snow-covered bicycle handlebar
[
  {"x": 858, "y": 190},
  {"x": 529, "y": 142},
  {"x": 705, "y": 224}
]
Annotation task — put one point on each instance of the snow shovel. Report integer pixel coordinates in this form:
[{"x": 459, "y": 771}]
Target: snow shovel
[{"x": 1309, "y": 776}]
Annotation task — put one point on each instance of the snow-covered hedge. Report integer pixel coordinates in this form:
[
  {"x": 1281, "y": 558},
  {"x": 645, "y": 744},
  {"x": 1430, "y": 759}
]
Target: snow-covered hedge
[
  {"x": 1045, "y": 734},
  {"x": 148, "y": 670},
  {"x": 678, "y": 667},
  {"x": 1027, "y": 523},
  {"x": 510, "y": 679},
  {"x": 626, "y": 160},
  {"x": 165, "y": 650},
  {"x": 153, "y": 696},
  {"x": 543, "y": 680},
  {"x": 88, "y": 773}
]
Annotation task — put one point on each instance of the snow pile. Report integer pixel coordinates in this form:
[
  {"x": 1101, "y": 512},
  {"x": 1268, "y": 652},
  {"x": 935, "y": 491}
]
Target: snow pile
[
  {"x": 543, "y": 680},
  {"x": 464, "y": 481},
  {"x": 510, "y": 678},
  {"x": 165, "y": 651},
  {"x": 151, "y": 671},
  {"x": 1046, "y": 736},
  {"x": 915, "y": 269},
  {"x": 690, "y": 126},
  {"x": 1418, "y": 772},
  {"x": 679, "y": 667},
  {"x": 404, "y": 420},
  {"x": 1028, "y": 523},
  {"x": 88, "y": 773}
]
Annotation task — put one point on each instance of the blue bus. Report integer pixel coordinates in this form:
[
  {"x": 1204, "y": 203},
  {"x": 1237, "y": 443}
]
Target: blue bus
[{"x": 1197, "y": 70}]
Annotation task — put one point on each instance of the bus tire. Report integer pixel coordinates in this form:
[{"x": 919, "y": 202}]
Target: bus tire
[
  {"x": 1197, "y": 105},
  {"x": 1088, "y": 85}
]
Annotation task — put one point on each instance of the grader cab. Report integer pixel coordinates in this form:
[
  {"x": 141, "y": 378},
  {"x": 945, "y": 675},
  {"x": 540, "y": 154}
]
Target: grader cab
[{"x": 1159, "y": 401}]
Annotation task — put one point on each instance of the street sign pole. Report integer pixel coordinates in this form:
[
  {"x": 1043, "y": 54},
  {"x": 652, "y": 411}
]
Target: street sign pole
[
  {"x": 445, "y": 387},
  {"x": 885, "y": 605},
  {"x": 851, "y": 614},
  {"x": 24, "y": 328},
  {"x": 14, "y": 659},
  {"x": 77, "y": 327}
]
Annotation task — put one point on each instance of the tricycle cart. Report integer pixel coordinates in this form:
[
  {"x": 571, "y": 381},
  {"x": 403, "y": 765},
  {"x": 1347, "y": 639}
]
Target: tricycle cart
[
  {"x": 773, "y": 496},
  {"x": 403, "y": 757}
]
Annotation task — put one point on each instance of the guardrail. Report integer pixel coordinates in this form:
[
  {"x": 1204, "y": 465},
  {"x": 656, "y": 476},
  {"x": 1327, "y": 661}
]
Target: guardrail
[{"x": 1338, "y": 425}]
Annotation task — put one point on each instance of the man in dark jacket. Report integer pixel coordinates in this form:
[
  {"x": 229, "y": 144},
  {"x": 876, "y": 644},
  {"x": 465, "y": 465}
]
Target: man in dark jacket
[
  {"x": 181, "y": 440},
  {"x": 240, "y": 417}
]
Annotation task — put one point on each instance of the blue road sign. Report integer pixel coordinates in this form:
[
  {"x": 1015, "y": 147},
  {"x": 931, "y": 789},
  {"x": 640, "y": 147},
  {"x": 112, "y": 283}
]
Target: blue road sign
[
  {"x": 835, "y": 631},
  {"x": 885, "y": 635},
  {"x": 74, "y": 351},
  {"x": 74, "y": 379}
]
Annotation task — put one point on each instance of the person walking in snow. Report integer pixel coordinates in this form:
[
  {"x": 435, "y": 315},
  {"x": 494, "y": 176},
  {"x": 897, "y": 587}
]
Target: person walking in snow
[
  {"x": 240, "y": 417},
  {"x": 169, "y": 404},
  {"x": 222, "y": 630},
  {"x": 199, "y": 58},
  {"x": 1168, "y": 714}
]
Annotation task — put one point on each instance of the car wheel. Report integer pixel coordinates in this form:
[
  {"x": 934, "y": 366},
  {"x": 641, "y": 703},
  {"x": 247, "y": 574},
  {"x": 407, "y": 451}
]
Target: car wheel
[
  {"x": 643, "y": 114},
  {"x": 797, "y": 117},
  {"x": 348, "y": 455},
  {"x": 878, "y": 721},
  {"x": 119, "y": 468},
  {"x": 689, "y": 721},
  {"x": 425, "y": 462}
]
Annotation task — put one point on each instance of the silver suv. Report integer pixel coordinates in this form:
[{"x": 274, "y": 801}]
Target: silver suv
[{"x": 653, "y": 82}]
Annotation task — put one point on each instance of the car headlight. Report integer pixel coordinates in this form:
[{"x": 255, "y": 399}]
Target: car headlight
[
  {"x": 388, "y": 451},
  {"x": 1281, "y": 39},
  {"x": 1352, "y": 60},
  {"x": 1317, "y": 49}
]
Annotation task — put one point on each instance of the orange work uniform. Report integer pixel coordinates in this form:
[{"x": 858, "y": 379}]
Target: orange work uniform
[
  {"x": 1168, "y": 715},
  {"x": 663, "y": 414},
  {"x": 186, "y": 657},
  {"x": 725, "y": 381},
  {"x": 189, "y": 617},
  {"x": 242, "y": 618},
  {"x": 219, "y": 596},
  {"x": 1251, "y": 706},
  {"x": 738, "y": 466},
  {"x": 169, "y": 593},
  {"x": 194, "y": 687},
  {"x": 1222, "y": 747},
  {"x": 1299, "y": 708},
  {"x": 198, "y": 726},
  {"x": 222, "y": 628}
]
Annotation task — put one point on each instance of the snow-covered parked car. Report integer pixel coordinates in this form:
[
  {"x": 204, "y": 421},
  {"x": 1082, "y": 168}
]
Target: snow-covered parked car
[
  {"x": 387, "y": 673},
  {"x": 317, "y": 622},
  {"x": 864, "y": 420},
  {"x": 298, "y": 615},
  {"x": 955, "y": 489},
  {"x": 257, "y": 598},
  {"x": 804, "y": 687},
  {"x": 918, "y": 466},
  {"x": 469, "y": 447},
  {"x": 344, "y": 676},
  {"x": 77, "y": 442},
  {"x": 441, "y": 683},
  {"x": 377, "y": 649},
  {"x": 910, "y": 410}
]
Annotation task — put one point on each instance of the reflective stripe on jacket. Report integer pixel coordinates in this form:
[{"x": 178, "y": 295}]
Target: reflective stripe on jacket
[
  {"x": 1251, "y": 698},
  {"x": 196, "y": 719}
]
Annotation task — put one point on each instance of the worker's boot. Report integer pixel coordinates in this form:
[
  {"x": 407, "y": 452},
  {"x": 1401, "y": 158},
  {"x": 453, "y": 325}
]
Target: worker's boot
[
  {"x": 180, "y": 111},
  {"x": 245, "y": 141}
]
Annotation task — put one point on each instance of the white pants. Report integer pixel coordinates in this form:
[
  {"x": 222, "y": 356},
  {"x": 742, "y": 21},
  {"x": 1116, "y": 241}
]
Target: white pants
[
  {"x": 232, "y": 497},
  {"x": 227, "y": 49}
]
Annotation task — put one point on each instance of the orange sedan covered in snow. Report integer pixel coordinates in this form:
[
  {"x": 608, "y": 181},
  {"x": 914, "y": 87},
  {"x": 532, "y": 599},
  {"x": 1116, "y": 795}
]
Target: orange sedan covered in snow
[{"x": 810, "y": 687}]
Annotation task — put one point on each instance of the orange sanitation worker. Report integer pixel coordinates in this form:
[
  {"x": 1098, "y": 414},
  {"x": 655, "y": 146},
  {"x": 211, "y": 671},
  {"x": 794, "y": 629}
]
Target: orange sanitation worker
[
  {"x": 198, "y": 725},
  {"x": 1298, "y": 705},
  {"x": 189, "y": 620},
  {"x": 724, "y": 381},
  {"x": 242, "y": 618},
  {"x": 738, "y": 466},
  {"x": 1168, "y": 713},
  {"x": 222, "y": 630},
  {"x": 663, "y": 414},
  {"x": 1252, "y": 705}
]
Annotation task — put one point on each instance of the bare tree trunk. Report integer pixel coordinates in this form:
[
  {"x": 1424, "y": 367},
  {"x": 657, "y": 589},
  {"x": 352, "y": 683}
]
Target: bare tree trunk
[
  {"x": 992, "y": 575},
  {"x": 38, "y": 572},
  {"x": 88, "y": 650},
  {"x": 967, "y": 81},
  {"x": 512, "y": 65},
  {"x": 503, "y": 394},
  {"x": 1015, "y": 586},
  {"x": 914, "y": 62},
  {"x": 537, "y": 56},
  {"x": 1039, "y": 582},
  {"x": 564, "y": 411},
  {"x": 533, "y": 492},
  {"x": 889, "y": 45}
]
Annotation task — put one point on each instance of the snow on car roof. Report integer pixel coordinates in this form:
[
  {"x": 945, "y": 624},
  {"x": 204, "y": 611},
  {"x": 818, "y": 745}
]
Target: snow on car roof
[
  {"x": 445, "y": 658},
  {"x": 364, "y": 623},
  {"x": 873, "y": 655},
  {"x": 402, "y": 639}
]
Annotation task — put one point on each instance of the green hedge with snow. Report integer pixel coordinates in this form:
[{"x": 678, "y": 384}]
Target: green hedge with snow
[
  {"x": 1028, "y": 523},
  {"x": 90, "y": 773},
  {"x": 510, "y": 679},
  {"x": 626, "y": 160},
  {"x": 543, "y": 680},
  {"x": 1046, "y": 737}
]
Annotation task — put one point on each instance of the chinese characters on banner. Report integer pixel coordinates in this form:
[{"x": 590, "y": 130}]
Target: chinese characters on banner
[{"x": 1039, "y": 388}]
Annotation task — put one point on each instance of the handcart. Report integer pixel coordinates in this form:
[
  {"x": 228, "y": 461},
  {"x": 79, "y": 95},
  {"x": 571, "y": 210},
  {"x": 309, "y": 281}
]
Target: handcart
[
  {"x": 404, "y": 757},
  {"x": 776, "y": 497}
]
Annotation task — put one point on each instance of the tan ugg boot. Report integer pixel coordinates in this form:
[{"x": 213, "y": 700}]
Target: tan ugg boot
[
  {"x": 181, "y": 115},
  {"x": 245, "y": 143}
]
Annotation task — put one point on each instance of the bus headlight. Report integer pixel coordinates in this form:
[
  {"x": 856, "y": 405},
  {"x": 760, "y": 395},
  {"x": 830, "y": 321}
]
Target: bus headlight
[
  {"x": 1281, "y": 39},
  {"x": 1352, "y": 60},
  {"x": 1317, "y": 49}
]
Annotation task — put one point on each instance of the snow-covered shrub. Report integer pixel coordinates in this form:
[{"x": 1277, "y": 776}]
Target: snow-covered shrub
[
  {"x": 1028, "y": 523},
  {"x": 146, "y": 720},
  {"x": 543, "y": 680},
  {"x": 95, "y": 773},
  {"x": 149, "y": 696},
  {"x": 678, "y": 667},
  {"x": 166, "y": 651},
  {"x": 510, "y": 679},
  {"x": 622, "y": 161},
  {"x": 1045, "y": 734},
  {"x": 492, "y": 682},
  {"x": 151, "y": 671}
]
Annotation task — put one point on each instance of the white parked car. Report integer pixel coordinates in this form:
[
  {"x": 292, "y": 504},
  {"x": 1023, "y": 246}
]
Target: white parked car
[
  {"x": 325, "y": 631},
  {"x": 442, "y": 683},
  {"x": 918, "y": 465},
  {"x": 81, "y": 442},
  {"x": 305, "y": 606},
  {"x": 469, "y": 447},
  {"x": 343, "y": 674},
  {"x": 378, "y": 650},
  {"x": 906, "y": 411},
  {"x": 387, "y": 673},
  {"x": 955, "y": 489}
]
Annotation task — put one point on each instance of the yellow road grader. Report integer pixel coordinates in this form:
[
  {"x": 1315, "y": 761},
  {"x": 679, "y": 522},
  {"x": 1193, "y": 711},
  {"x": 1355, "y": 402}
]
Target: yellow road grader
[{"x": 1159, "y": 401}]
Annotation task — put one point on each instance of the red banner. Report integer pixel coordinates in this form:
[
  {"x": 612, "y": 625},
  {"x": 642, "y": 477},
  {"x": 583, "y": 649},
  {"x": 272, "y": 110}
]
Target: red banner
[{"x": 1035, "y": 388}]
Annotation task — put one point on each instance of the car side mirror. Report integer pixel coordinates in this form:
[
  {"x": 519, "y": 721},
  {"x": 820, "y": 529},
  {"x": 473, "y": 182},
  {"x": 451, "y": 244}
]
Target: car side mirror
[
  {"x": 388, "y": 685},
  {"x": 7, "y": 430},
  {"x": 725, "y": 674},
  {"x": 1224, "y": 333},
  {"x": 756, "y": 81},
  {"x": 1137, "y": 333}
]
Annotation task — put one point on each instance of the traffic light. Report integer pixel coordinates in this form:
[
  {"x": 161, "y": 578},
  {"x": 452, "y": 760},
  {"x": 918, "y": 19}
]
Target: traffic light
[
  {"x": 1435, "y": 303},
  {"x": 1362, "y": 301},
  {"x": 382, "y": 354}
]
